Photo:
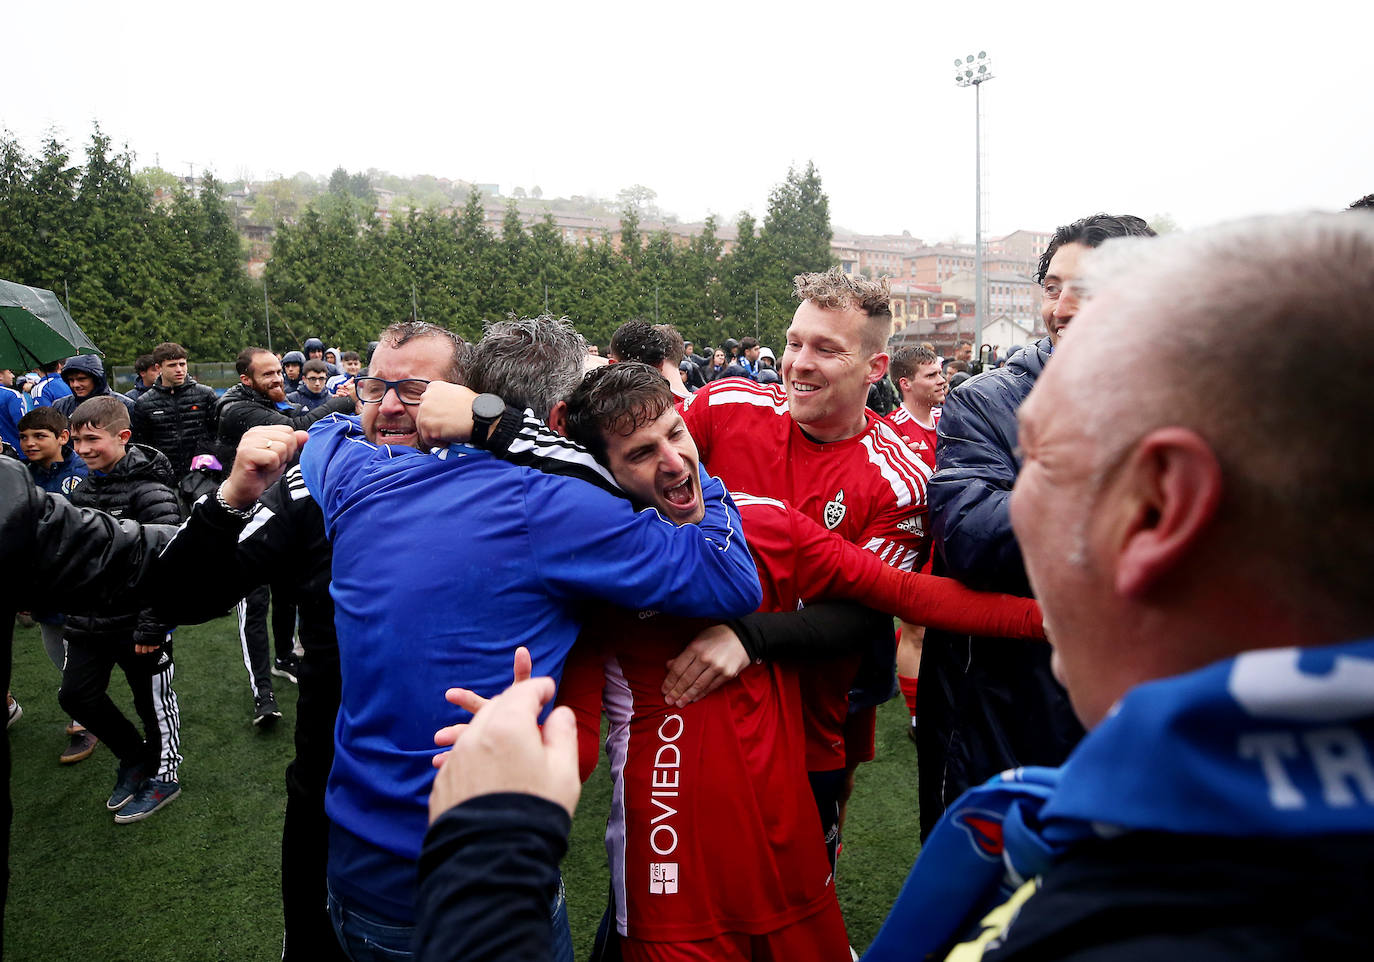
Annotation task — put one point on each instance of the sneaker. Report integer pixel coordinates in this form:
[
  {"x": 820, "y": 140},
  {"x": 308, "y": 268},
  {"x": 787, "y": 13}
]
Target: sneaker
[
  {"x": 287, "y": 668},
  {"x": 16, "y": 713},
  {"x": 265, "y": 711},
  {"x": 154, "y": 794},
  {"x": 79, "y": 748},
  {"x": 128, "y": 779}
]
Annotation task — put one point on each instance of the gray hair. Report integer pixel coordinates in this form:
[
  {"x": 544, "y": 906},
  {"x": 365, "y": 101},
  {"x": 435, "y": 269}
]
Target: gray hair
[
  {"x": 398, "y": 334},
  {"x": 1213, "y": 330},
  {"x": 530, "y": 362}
]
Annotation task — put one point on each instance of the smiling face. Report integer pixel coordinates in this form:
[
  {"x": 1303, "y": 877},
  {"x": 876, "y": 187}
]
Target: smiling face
[
  {"x": 827, "y": 371},
  {"x": 265, "y": 377},
  {"x": 656, "y": 464},
  {"x": 41, "y": 446},
  {"x": 81, "y": 383},
  {"x": 389, "y": 421},
  {"x": 100, "y": 448},
  {"x": 1059, "y": 300}
]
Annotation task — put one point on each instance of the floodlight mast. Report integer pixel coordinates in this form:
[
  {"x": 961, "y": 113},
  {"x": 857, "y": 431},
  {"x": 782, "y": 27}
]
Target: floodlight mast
[{"x": 973, "y": 72}]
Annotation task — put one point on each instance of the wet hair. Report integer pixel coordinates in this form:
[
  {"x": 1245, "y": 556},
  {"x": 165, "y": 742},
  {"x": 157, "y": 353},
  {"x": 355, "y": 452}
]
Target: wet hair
[
  {"x": 106, "y": 413},
  {"x": 168, "y": 351},
  {"x": 529, "y": 362},
  {"x": 1092, "y": 231},
  {"x": 834, "y": 290},
  {"x": 906, "y": 361},
  {"x": 675, "y": 348},
  {"x": 399, "y": 334},
  {"x": 46, "y": 418},
  {"x": 144, "y": 362},
  {"x": 616, "y": 398},
  {"x": 638, "y": 341}
]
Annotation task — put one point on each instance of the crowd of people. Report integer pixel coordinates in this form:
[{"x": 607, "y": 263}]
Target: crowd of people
[{"x": 710, "y": 552}]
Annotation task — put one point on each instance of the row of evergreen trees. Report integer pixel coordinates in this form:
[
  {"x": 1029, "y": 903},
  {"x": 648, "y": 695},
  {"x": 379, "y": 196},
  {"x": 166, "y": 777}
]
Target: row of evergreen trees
[{"x": 136, "y": 270}]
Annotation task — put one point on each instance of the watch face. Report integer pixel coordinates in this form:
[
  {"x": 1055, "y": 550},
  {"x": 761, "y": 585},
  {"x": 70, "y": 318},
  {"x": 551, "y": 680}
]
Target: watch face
[{"x": 487, "y": 407}]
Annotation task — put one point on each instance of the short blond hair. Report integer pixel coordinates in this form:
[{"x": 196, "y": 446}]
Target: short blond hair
[{"x": 834, "y": 290}]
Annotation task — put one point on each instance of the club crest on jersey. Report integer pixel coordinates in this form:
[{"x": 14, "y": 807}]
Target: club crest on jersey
[
  {"x": 835, "y": 511},
  {"x": 662, "y": 878},
  {"x": 984, "y": 831}
]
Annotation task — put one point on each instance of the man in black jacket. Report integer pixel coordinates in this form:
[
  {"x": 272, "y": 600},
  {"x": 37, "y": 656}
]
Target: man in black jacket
[
  {"x": 989, "y": 704},
  {"x": 259, "y": 399},
  {"x": 176, "y": 415}
]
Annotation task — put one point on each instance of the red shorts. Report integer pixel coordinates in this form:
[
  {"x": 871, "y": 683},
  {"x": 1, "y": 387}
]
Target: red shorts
[
  {"x": 817, "y": 938},
  {"x": 860, "y": 729}
]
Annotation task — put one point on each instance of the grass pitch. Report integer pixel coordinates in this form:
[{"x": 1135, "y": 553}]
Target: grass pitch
[{"x": 201, "y": 878}]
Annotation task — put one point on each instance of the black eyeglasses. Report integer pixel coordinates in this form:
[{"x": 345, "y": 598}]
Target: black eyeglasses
[{"x": 409, "y": 390}]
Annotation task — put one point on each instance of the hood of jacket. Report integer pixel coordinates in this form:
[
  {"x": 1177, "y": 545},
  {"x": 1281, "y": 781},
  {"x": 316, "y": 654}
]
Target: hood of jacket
[
  {"x": 311, "y": 344},
  {"x": 88, "y": 364},
  {"x": 293, "y": 357}
]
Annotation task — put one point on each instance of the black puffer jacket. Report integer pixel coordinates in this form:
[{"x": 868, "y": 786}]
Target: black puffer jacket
[
  {"x": 138, "y": 488},
  {"x": 242, "y": 408},
  {"x": 61, "y": 557},
  {"x": 178, "y": 421}
]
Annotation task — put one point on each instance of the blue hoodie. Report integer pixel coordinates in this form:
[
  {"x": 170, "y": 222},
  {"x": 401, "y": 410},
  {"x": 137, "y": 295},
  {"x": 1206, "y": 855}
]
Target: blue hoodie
[{"x": 454, "y": 560}]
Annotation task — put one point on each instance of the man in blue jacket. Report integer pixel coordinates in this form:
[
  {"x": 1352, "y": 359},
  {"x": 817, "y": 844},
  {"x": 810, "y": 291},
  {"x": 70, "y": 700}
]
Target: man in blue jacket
[
  {"x": 989, "y": 704},
  {"x": 443, "y": 565}
]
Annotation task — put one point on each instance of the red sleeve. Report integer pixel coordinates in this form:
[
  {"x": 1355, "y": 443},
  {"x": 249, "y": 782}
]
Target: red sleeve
[
  {"x": 828, "y": 567},
  {"x": 580, "y": 690}
]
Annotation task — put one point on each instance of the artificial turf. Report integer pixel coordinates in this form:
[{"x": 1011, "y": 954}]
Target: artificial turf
[{"x": 201, "y": 878}]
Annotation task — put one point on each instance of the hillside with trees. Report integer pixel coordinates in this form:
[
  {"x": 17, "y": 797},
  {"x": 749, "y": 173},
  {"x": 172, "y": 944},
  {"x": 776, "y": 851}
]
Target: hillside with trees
[{"x": 143, "y": 257}]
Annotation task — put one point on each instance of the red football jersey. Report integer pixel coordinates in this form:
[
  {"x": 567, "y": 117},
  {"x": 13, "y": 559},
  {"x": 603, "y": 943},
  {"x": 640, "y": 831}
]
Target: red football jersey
[
  {"x": 870, "y": 489},
  {"x": 713, "y": 826},
  {"x": 918, "y": 437}
]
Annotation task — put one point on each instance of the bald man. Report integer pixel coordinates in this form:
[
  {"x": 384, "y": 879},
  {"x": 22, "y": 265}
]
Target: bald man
[{"x": 1201, "y": 542}]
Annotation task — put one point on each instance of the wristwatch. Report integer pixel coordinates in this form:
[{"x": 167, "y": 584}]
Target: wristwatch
[
  {"x": 240, "y": 513},
  {"x": 486, "y": 411}
]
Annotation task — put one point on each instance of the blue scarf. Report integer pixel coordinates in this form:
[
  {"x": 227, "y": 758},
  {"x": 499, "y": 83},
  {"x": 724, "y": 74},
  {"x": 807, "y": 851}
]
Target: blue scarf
[{"x": 1277, "y": 743}]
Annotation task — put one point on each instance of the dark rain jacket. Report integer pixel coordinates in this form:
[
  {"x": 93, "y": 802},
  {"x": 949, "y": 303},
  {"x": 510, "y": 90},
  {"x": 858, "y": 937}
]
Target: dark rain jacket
[
  {"x": 178, "y": 421},
  {"x": 138, "y": 488},
  {"x": 59, "y": 557},
  {"x": 242, "y": 408},
  {"x": 88, "y": 364},
  {"x": 986, "y": 704}
]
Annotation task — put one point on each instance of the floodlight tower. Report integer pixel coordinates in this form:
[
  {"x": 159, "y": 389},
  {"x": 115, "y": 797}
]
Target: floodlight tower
[{"x": 973, "y": 72}]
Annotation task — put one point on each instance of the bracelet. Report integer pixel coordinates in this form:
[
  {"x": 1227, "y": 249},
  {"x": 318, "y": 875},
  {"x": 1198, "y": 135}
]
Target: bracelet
[{"x": 240, "y": 513}]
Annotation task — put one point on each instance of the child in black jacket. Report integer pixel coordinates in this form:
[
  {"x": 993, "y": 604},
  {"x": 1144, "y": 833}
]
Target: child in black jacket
[{"x": 134, "y": 482}]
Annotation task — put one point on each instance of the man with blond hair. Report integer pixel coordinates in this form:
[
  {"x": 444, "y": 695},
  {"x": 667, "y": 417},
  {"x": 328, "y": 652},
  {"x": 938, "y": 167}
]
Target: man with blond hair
[{"x": 812, "y": 442}]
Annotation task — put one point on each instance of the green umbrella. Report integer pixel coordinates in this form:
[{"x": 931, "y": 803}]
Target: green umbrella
[{"x": 36, "y": 329}]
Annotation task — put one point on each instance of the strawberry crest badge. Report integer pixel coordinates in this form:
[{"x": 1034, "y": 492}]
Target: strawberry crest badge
[{"x": 835, "y": 510}]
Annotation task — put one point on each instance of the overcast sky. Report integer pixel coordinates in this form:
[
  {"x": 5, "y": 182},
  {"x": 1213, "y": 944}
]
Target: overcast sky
[{"x": 1206, "y": 111}]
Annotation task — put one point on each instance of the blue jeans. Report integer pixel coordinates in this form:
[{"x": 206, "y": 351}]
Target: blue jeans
[{"x": 366, "y": 938}]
